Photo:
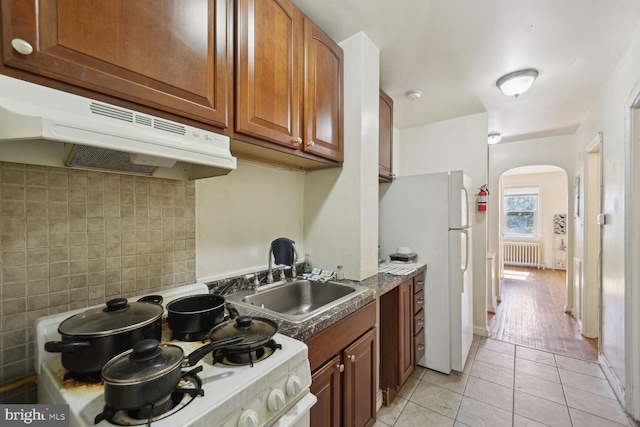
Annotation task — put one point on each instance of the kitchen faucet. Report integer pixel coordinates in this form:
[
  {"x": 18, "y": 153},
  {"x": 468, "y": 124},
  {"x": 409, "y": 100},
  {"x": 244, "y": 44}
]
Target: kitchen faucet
[{"x": 282, "y": 275}]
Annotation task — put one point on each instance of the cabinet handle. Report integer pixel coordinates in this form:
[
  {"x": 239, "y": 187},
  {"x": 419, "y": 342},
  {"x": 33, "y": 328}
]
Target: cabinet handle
[
  {"x": 310, "y": 144},
  {"x": 297, "y": 141},
  {"x": 421, "y": 282},
  {"x": 421, "y": 322},
  {"x": 420, "y": 301},
  {"x": 420, "y": 347},
  {"x": 340, "y": 368},
  {"x": 352, "y": 358},
  {"x": 22, "y": 46}
]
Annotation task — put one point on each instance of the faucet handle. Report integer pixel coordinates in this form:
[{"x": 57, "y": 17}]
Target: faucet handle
[{"x": 282, "y": 275}]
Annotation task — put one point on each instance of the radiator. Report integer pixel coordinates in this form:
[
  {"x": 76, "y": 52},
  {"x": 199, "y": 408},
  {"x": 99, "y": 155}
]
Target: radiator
[{"x": 524, "y": 253}]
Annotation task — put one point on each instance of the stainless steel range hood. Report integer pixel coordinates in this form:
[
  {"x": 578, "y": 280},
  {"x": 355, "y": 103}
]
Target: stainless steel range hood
[{"x": 48, "y": 127}]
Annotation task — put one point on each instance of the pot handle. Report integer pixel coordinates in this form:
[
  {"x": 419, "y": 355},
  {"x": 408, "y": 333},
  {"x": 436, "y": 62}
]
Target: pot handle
[
  {"x": 155, "y": 299},
  {"x": 65, "y": 346},
  {"x": 195, "y": 356},
  {"x": 233, "y": 312}
]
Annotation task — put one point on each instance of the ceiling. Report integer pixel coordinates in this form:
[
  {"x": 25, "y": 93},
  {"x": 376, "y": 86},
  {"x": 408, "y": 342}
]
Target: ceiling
[{"x": 454, "y": 51}]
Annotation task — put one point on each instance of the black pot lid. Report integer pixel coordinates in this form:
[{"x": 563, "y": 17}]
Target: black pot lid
[
  {"x": 146, "y": 361},
  {"x": 118, "y": 316},
  {"x": 253, "y": 329}
]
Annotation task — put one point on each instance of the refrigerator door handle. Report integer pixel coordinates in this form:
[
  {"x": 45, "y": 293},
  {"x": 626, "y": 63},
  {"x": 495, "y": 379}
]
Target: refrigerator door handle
[
  {"x": 466, "y": 254},
  {"x": 465, "y": 220}
]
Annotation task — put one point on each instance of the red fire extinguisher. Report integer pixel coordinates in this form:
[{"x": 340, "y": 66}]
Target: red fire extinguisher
[{"x": 482, "y": 198}]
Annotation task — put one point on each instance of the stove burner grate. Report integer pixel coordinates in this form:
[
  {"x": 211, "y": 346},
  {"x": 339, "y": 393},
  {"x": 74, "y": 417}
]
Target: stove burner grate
[
  {"x": 189, "y": 388},
  {"x": 87, "y": 377},
  {"x": 190, "y": 336},
  {"x": 245, "y": 356}
]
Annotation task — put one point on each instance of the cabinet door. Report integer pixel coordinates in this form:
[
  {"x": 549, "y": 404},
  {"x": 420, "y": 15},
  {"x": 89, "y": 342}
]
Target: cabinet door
[
  {"x": 385, "y": 157},
  {"x": 268, "y": 70},
  {"x": 405, "y": 330},
  {"x": 360, "y": 381},
  {"x": 323, "y": 99},
  {"x": 171, "y": 55},
  {"x": 326, "y": 385}
]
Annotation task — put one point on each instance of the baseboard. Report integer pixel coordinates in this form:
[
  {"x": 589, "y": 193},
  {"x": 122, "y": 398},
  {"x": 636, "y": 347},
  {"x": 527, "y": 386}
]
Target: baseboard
[
  {"x": 618, "y": 388},
  {"x": 481, "y": 331}
]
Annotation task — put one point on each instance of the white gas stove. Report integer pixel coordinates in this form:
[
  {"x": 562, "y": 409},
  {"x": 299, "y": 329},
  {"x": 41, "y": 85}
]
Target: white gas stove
[{"x": 274, "y": 391}]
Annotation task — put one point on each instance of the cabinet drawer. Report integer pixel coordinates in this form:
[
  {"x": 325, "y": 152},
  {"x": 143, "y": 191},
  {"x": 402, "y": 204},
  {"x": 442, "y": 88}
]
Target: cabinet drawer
[
  {"x": 420, "y": 345},
  {"x": 418, "y": 283},
  {"x": 418, "y": 321},
  {"x": 418, "y": 301}
]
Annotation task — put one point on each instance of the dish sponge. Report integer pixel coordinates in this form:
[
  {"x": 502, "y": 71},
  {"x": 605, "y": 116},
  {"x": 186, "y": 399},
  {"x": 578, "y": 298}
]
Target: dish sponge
[{"x": 320, "y": 275}]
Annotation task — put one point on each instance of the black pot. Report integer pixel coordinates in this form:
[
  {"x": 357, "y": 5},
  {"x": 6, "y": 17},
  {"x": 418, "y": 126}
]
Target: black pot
[
  {"x": 255, "y": 332},
  {"x": 90, "y": 339},
  {"x": 195, "y": 313},
  {"x": 149, "y": 372}
]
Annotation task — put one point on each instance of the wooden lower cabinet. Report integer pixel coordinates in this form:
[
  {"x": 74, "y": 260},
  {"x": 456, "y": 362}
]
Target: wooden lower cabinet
[
  {"x": 326, "y": 385},
  {"x": 360, "y": 381},
  {"x": 344, "y": 371},
  {"x": 402, "y": 339},
  {"x": 397, "y": 360}
]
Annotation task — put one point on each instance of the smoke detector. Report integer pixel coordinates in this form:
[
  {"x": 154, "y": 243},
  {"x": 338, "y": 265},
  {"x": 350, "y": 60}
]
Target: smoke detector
[{"x": 413, "y": 95}]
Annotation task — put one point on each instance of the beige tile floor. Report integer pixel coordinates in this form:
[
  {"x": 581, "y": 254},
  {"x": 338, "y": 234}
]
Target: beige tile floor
[{"x": 508, "y": 385}]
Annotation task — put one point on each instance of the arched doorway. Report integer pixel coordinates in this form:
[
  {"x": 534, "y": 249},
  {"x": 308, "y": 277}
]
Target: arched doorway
[{"x": 533, "y": 257}]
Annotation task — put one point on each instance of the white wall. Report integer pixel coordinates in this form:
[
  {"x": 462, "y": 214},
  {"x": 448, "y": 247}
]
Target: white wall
[
  {"x": 341, "y": 205},
  {"x": 455, "y": 144},
  {"x": 240, "y": 214},
  {"x": 553, "y": 200},
  {"x": 607, "y": 114}
]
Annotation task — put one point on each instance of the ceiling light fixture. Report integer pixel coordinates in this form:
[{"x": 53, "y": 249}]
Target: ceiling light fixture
[
  {"x": 494, "y": 138},
  {"x": 518, "y": 82},
  {"x": 413, "y": 95}
]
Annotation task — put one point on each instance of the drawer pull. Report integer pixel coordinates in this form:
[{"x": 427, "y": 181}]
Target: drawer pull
[
  {"x": 340, "y": 368},
  {"x": 352, "y": 358},
  {"x": 420, "y": 347},
  {"x": 420, "y": 282},
  {"x": 23, "y": 47},
  {"x": 421, "y": 322},
  {"x": 420, "y": 301}
]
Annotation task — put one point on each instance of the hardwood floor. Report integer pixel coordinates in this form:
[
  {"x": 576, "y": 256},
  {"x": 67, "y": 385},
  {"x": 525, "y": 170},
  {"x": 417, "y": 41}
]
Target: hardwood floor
[{"x": 532, "y": 314}]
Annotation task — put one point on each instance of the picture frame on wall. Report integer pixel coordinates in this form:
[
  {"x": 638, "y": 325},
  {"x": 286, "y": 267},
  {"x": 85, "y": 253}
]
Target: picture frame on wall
[{"x": 576, "y": 199}]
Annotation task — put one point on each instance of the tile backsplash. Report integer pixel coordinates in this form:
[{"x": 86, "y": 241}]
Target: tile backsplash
[{"x": 75, "y": 238}]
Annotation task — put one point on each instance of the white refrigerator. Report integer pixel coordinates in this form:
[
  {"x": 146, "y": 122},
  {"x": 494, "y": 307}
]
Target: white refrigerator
[{"x": 430, "y": 213}]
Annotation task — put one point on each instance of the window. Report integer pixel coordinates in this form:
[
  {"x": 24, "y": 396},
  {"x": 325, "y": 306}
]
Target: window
[{"x": 521, "y": 211}]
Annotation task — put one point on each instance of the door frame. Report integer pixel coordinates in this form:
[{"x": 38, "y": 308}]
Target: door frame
[
  {"x": 592, "y": 229},
  {"x": 630, "y": 394}
]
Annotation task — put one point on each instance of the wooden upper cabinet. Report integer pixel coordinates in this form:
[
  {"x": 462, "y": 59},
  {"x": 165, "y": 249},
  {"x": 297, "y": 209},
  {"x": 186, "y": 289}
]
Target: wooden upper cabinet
[
  {"x": 171, "y": 55},
  {"x": 323, "y": 94},
  {"x": 269, "y": 71},
  {"x": 289, "y": 81},
  {"x": 385, "y": 158}
]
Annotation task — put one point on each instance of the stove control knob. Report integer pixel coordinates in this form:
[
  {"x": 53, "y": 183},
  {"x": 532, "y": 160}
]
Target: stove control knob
[
  {"x": 249, "y": 418},
  {"x": 294, "y": 385},
  {"x": 275, "y": 401}
]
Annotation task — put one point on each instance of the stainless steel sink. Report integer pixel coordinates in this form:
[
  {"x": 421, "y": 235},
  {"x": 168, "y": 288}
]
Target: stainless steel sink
[{"x": 298, "y": 300}]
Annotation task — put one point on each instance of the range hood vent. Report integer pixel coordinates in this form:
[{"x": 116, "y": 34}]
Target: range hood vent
[
  {"x": 44, "y": 126},
  {"x": 83, "y": 156}
]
